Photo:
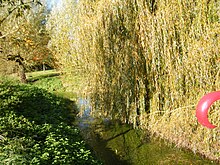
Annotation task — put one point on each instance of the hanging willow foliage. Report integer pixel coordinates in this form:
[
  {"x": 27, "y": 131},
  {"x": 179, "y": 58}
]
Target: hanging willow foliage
[{"x": 148, "y": 62}]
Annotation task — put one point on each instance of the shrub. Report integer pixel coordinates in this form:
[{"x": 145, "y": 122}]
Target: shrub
[{"x": 36, "y": 128}]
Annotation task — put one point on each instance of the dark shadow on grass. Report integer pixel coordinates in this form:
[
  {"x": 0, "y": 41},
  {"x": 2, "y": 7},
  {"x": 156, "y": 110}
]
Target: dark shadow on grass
[
  {"x": 36, "y": 104},
  {"x": 42, "y": 108},
  {"x": 40, "y": 122}
]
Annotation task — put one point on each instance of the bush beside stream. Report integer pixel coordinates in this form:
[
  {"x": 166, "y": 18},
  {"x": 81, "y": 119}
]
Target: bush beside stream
[{"x": 35, "y": 128}]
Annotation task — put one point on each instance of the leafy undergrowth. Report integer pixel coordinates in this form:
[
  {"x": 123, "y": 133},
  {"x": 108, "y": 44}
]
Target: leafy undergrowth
[
  {"x": 48, "y": 80},
  {"x": 51, "y": 84},
  {"x": 51, "y": 81},
  {"x": 35, "y": 128}
]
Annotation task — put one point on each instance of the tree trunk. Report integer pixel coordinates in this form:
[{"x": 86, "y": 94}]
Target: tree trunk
[
  {"x": 22, "y": 74},
  {"x": 21, "y": 68},
  {"x": 44, "y": 68}
]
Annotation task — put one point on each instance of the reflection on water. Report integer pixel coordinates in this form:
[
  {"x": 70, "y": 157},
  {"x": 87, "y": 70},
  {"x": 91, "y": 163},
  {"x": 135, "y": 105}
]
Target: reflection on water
[
  {"x": 118, "y": 144},
  {"x": 85, "y": 118}
]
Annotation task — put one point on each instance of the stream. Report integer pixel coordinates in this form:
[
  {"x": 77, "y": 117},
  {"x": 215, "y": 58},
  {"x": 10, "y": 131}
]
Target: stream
[{"x": 119, "y": 144}]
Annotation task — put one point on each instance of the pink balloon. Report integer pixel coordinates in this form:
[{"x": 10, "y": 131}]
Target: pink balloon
[{"x": 203, "y": 107}]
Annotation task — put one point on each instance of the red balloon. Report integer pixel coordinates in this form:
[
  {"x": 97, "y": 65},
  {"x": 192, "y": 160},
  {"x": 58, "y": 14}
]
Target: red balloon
[{"x": 203, "y": 107}]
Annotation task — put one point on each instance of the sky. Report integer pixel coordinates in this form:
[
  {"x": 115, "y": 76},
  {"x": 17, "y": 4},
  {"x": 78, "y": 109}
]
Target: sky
[{"x": 52, "y": 3}]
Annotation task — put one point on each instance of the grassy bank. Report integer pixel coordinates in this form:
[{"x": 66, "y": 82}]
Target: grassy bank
[
  {"x": 36, "y": 125},
  {"x": 137, "y": 148}
]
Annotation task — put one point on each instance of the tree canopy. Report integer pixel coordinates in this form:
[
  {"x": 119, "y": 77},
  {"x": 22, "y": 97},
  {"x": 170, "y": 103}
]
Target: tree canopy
[
  {"x": 24, "y": 36},
  {"x": 16, "y": 7}
]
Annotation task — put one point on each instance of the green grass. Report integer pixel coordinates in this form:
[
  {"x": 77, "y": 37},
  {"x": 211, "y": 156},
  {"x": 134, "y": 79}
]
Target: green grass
[
  {"x": 36, "y": 125},
  {"x": 51, "y": 80},
  {"x": 39, "y": 75},
  {"x": 51, "y": 84}
]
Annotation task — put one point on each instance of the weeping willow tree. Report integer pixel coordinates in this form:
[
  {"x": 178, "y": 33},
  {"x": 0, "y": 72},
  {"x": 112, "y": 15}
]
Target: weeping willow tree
[{"x": 146, "y": 62}]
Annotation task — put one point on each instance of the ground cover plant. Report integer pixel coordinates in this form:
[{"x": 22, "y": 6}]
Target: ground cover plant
[
  {"x": 36, "y": 128},
  {"x": 48, "y": 80}
]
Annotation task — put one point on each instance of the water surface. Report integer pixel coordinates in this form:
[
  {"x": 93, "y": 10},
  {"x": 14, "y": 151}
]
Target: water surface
[{"x": 119, "y": 144}]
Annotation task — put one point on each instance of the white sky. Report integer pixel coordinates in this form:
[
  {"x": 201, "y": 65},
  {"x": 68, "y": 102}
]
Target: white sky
[{"x": 52, "y": 3}]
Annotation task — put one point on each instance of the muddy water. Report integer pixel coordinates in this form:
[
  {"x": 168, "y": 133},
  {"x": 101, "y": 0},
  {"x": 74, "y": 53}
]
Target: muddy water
[{"x": 118, "y": 144}]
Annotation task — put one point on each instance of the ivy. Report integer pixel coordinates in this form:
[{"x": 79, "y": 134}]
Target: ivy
[{"x": 35, "y": 128}]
